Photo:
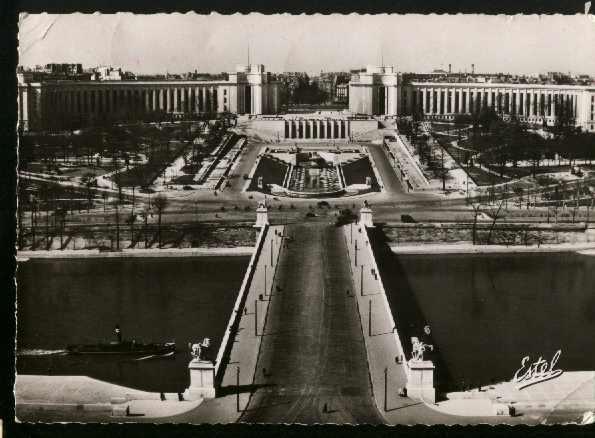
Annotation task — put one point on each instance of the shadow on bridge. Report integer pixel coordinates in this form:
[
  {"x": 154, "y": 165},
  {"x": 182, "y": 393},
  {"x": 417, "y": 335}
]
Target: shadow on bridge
[{"x": 408, "y": 315}]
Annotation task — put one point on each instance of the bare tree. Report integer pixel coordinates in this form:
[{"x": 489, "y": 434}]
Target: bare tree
[
  {"x": 34, "y": 203},
  {"x": 144, "y": 214},
  {"x": 60, "y": 214},
  {"x": 117, "y": 225},
  {"x": 495, "y": 214},
  {"x": 88, "y": 180},
  {"x": 131, "y": 220},
  {"x": 160, "y": 202},
  {"x": 476, "y": 210},
  {"x": 577, "y": 196}
]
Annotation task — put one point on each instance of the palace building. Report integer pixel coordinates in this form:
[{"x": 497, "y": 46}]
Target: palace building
[
  {"x": 373, "y": 91},
  {"x": 531, "y": 103},
  {"x": 377, "y": 91},
  {"x": 73, "y": 103}
]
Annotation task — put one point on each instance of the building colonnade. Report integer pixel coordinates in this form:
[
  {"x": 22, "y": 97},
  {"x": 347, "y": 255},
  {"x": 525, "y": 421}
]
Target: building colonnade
[
  {"x": 171, "y": 99},
  {"x": 317, "y": 129},
  {"x": 532, "y": 104}
]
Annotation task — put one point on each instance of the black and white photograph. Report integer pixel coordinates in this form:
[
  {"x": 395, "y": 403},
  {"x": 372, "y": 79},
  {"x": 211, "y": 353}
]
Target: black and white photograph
[{"x": 348, "y": 219}]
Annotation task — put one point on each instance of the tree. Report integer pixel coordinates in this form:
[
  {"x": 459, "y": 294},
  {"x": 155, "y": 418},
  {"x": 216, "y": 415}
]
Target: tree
[
  {"x": 463, "y": 119},
  {"x": 88, "y": 180},
  {"x": 144, "y": 214},
  {"x": 117, "y": 225},
  {"x": 45, "y": 191},
  {"x": 60, "y": 214},
  {"x": 34, "y": 207},
  {"x": 486, "y": 117},
  {"x": 518, "y": 191},
  {"x": 131, "y": 220},
  {"x": 160, "y": 202},
  {"x": 495, "y": 213},
  {"x": 476, "y": 211},
  {"x": 533, "y": 151},
  {"x": 564, "y": 124}
]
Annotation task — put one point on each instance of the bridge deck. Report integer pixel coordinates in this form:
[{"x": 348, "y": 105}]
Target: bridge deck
[{"x": 313, "y": 351}]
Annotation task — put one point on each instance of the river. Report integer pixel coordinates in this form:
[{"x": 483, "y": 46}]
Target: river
[
  {"x": 487, "y": 312},
  {"x": 74, "y": 301}
]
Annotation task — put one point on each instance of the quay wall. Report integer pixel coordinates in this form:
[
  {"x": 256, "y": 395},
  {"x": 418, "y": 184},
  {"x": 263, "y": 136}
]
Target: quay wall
[{"x": 503, "y": 233}]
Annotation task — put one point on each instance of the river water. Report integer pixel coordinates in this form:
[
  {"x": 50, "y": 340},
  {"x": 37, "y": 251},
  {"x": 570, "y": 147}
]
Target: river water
[
  {"x": 72, "y": 301},
  {"x": 486, "y": 312}
]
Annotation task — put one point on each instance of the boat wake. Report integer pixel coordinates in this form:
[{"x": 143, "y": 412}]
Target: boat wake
[
  {"x": 40, "y": 352},
  {"x": 156, "y": 356}
]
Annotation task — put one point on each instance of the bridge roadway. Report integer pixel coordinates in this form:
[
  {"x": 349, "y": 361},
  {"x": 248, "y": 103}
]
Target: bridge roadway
[{"x": 313, "y": 352}]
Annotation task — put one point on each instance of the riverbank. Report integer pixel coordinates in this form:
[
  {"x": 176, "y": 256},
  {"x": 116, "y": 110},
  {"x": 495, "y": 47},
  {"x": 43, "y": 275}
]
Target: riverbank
[
  {"x": 570, "y": 395},
  {"x": 468, "y": 248},
  {"x": 23, "y": 256},
  {"x": 71, "y": 395}
]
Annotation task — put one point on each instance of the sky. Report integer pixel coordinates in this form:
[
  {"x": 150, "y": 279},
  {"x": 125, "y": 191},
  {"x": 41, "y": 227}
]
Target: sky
[{"x": 176, "y": 43}]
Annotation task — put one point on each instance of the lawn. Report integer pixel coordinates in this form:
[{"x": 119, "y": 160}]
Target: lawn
[
  {"x": 272, "y": 171},
  {"x": 144, "y": 174},
  {"x": 184, "y": 179},
  {"x": 482, "y": 177},
  {"x": 356, "y": 172},
  {"x": 520, "y": 172},
  {"x": 453, "y": 127}
]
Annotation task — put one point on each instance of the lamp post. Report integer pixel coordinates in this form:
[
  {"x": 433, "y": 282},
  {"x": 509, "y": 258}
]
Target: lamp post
[
  {"x": 238, "y": 390},
  {"x": 370, "y": 317},
  {"x": 255, "y": 317},
  {"x": 361, "y": 280},
  {"x": 385, "y": 389},
  {"x": 265, "y": 280}
]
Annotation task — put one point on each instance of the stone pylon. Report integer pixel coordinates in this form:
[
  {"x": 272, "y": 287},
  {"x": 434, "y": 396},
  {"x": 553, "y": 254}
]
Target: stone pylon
[
  {"x": 365, "y": 216},
  {"x": 202, "y": 380},
  {"x": 262, "y": 215}
]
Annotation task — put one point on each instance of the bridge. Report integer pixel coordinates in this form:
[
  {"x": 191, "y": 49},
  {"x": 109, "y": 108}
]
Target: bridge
[
  {"x": 295, "y": 350},
  {"x": 312, "y": 338}
]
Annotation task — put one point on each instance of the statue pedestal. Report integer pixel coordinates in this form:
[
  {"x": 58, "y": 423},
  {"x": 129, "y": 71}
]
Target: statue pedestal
[
  {"x": 202, "y": 380},
  {"x": 262, "y": 217},
  {"x": 365, "y": 217},
  {"x": 420, "y": 384}
]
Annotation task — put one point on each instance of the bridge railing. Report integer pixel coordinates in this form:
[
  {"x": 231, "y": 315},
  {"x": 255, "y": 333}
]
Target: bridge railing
[{"x": 236, "y": 315}]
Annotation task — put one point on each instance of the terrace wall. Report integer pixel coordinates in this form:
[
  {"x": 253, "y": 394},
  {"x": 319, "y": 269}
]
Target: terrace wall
[
  {"x": 272, "y": 128},
  {"x": 361, "y": 129},
  {"x": 510, "y": 234}
]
